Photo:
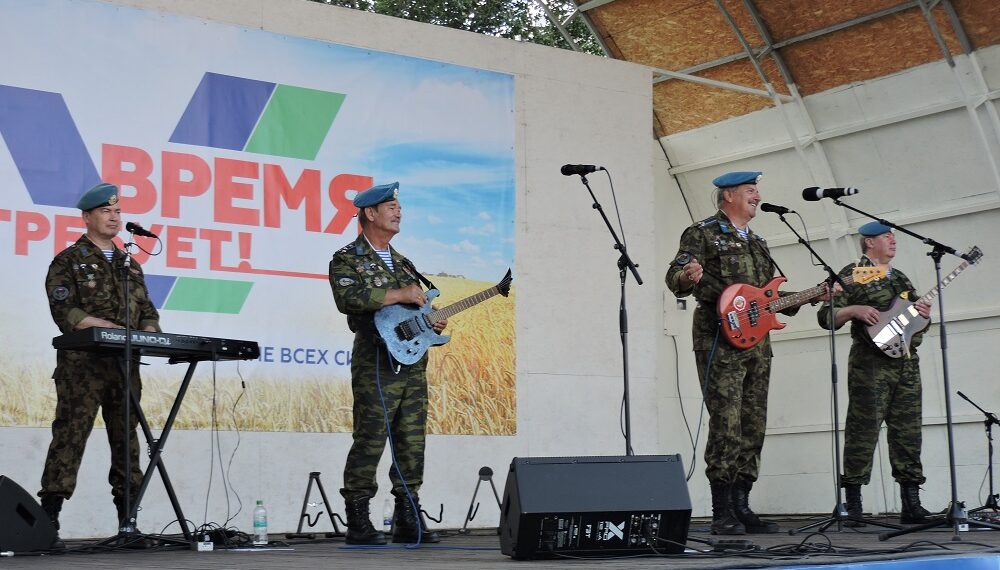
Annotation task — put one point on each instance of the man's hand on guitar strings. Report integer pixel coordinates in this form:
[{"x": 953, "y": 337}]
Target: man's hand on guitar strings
[
  {"x": 438, "y": 326},
  {"x": 923, "y": 309},
  {"x": 826, "y": 291},
  {"x": 412, "y": 294}
]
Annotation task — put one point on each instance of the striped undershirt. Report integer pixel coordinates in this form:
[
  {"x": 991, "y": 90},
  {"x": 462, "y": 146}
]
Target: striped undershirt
[
  {"x": 386, "y": 258},
  {"x": 108, "y": 253}
]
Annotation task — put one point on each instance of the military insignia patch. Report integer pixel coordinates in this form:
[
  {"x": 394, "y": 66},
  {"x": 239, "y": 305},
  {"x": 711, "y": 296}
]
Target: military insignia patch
[
  {"x": 905, "y": 295},
  {"x": 60, "y": 293},
  {"x": 345, "y": 281}
]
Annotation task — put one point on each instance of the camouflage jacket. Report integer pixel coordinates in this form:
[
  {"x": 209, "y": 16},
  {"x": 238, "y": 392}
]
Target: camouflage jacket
[
  {"x": 81, "y": 283},
  {"x": 878, "y": 293},
  {"x": 727, "y": 259},
  {"x": 360, "y": 279}
]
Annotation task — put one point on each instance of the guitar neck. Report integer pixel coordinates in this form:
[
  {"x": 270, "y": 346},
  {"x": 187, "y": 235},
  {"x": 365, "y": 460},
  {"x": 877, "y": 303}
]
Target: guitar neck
[
  {"x": 933, "y": 293},
  {"x": 459, "y": 306},
  {"x": 802, "y": 297}
]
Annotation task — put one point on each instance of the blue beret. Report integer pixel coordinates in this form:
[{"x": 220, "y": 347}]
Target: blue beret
[
  {"x": 103, "y": 194},
  {"x": 376, "y": 195},
  {"x": 736, "y": 178},
  {"x": 872, "y": 229}
]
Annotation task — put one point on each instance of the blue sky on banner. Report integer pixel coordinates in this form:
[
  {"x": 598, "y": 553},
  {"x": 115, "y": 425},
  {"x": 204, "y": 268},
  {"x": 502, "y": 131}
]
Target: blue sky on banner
[{"x": 445, "y": 132}]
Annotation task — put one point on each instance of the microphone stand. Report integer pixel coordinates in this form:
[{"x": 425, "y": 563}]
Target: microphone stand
[
  {"x": 624, "y": 262},
  {"x": 128, "y": 525},
  {"x": 839, "y": 514},
  {"x": 956, "y": 517},
  {"x": 127, "y": 532},
  {"x": 991, "y": 420}
]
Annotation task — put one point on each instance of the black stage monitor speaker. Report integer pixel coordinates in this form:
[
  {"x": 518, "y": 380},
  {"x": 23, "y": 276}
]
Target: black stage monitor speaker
[
  {"x": 587, "y": 506},
  {"x": 24, "y": 526}
]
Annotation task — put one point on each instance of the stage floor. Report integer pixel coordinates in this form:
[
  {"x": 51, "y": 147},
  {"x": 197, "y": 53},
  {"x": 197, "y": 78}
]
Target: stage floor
[{"x": 854, "y": 548}]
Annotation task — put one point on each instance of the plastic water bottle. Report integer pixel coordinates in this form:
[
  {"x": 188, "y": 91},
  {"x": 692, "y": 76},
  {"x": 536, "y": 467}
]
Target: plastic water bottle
[
  {"x": 260, "y": 524},
  {"x": 387, "y": 515}
]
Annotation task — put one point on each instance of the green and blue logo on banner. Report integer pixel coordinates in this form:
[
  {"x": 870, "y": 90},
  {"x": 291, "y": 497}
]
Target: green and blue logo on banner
[{"x": 225, "y": 112}]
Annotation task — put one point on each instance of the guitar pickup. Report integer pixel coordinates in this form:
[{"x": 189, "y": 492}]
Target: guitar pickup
[{"x": 753, "y": 314}]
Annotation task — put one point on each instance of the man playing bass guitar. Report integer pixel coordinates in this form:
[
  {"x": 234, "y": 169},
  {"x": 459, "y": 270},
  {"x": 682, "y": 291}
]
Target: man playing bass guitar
[
  {"x": 714, "y": 253},
  {"x": 880, "y": 388}
]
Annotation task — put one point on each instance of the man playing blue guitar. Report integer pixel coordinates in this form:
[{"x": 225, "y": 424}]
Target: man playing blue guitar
[
  {"x": 367, "y": 275},
  {"x": 880, "y": 388}
]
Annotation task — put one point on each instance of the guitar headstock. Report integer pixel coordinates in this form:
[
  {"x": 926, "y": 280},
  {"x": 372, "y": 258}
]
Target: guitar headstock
[
  {"x": 973, "y": 255},
  {"x": 503, "y": 287},
  {"x": 864, "y": 275}
]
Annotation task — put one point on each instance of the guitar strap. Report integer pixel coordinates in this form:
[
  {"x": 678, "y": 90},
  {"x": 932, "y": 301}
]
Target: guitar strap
[
  {"x": 768, "y": 254},
  {"x": 422, "y": 279}
]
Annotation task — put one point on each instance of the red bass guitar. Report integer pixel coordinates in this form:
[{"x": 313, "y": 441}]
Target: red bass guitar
[{"x": 748, "y": 313}]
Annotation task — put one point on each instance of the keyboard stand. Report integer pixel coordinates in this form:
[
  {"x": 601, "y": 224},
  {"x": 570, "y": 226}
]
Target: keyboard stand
[
  {"x": 155, "y": 451},
  {"x": 176, "y": 348}
]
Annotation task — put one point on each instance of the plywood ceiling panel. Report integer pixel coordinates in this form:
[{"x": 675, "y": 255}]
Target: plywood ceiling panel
[{"x": 679, "y": 34}]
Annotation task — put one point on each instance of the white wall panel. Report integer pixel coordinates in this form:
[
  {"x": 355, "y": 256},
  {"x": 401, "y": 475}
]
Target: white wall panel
[{"x": 908, "y": 142}]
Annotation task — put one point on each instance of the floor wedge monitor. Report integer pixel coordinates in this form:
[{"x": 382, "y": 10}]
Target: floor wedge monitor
[
  {"x": 24, "y": 526},
  {"x": 594, "y": 506}
]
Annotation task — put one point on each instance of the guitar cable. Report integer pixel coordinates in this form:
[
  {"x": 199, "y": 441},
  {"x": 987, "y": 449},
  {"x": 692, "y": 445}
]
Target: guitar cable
[
  {"x": 392, "y": 444},
  {"x": 704, "y": 396}
]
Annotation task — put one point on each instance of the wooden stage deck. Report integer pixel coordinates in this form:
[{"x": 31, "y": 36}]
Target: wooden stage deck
[{"x": 480, "y": 549}]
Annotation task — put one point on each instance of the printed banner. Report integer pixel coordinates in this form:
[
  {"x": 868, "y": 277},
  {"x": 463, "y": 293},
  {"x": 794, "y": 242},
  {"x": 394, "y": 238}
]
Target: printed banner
[{"x": 242, "y": 150}]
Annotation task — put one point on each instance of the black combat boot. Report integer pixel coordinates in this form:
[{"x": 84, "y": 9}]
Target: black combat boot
[
  {"x": 912, "y": 512},
  {"x": 52, "y": 505},
  {"x": 404, "y": 522},
  {"x": 359, "y": 525},
  {"x": 741, "y": 508},
  {"x": 723, "y": 520},
  {"x": 854, "y": 508}
]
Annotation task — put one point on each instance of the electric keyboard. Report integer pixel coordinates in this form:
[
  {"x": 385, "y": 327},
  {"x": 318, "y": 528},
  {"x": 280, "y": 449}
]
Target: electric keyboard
[{"x": 177, "y": 347}]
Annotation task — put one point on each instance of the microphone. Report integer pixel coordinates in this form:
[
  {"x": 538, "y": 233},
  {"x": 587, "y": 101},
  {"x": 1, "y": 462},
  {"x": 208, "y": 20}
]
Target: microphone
[
  {"x": 139, "y": 230},
  {"x": 814, "y": 193},
  {"x": 780, "y": 210},
  {"x": 581, "y": 169}
]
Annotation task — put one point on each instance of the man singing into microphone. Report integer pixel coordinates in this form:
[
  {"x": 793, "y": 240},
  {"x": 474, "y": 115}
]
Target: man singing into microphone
[
  {"x": 880, "y": 388},
  {"x": 85, "y": 287},
  {"x": 714, "y": 253}
]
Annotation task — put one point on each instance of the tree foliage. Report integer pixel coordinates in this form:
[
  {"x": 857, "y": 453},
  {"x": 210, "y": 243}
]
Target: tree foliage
[{"x": 522, "y": 20}]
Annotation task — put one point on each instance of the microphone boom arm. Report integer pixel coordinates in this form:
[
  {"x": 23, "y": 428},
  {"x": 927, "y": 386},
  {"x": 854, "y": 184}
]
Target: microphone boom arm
[{"x": 936, "y": 245}]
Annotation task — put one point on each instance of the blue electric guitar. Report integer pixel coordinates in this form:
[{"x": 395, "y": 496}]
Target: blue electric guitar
[{"x": 408, "y": 329}]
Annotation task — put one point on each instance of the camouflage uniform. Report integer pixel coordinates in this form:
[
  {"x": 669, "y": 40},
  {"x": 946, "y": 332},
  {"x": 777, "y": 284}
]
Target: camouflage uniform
[
  {"x": 880, "y": 388},
  {"x": 360, "y": 279},
  {"x": 735, "y": 389},
  {"x": 81, "y": 283}
]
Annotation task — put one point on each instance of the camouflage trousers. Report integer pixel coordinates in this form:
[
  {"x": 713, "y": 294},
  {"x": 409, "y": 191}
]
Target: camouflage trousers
[
  {"x": 77, "y": 401},
  {"x": 882, "y": 389},
  {"x": 405, "y": 397},
  {"x": 735, "y": 392}
]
